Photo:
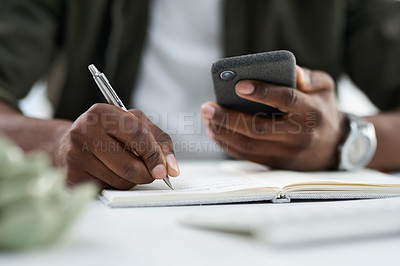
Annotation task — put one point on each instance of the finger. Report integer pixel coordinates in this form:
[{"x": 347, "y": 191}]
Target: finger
[
  {"x": 250, "y": 147},
  {"x": 313, "y": 81},
  {"x": 74, "y": 177},
  {"x": 121, "y": 161},
  {"x": 252, "y": 126},
  {"x": 165, "y": 142},
  {"x": 268, "y": 159},
  {"x": 96, "y": 170},
  {"x": 133, "y": 133},
  {"x": 284, "y": 98},
  {"x": 100, "y": 184},
  {"x": 99, "y": 170}
]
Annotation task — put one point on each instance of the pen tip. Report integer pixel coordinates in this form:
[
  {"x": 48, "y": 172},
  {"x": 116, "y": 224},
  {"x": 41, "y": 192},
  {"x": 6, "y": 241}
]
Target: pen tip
[
  {"x": 166, "y": 180},
  {"x": 93, "y": 69}
]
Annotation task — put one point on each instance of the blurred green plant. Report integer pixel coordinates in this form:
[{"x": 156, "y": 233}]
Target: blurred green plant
[{"x": 35, "y": 205}]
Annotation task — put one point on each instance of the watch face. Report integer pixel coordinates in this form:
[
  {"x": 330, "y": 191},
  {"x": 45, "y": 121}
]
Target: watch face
[
  {"x": 360, "y": 145},
  {"x": 358, "y": 149}
]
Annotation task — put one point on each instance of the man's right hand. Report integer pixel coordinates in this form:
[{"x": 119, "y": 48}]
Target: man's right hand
[{"x": 116, "y": 149}]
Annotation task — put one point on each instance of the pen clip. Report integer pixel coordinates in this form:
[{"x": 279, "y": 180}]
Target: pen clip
[
  {"x": 106, "y": 88},
  {"x": 112, "y": 96}
]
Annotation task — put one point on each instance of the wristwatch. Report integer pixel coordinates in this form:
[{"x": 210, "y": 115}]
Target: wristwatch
[{"x": 359, "y": 146}]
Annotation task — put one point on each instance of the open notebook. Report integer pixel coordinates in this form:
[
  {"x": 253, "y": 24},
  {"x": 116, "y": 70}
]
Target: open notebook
[{"x": 238, "y": 181}]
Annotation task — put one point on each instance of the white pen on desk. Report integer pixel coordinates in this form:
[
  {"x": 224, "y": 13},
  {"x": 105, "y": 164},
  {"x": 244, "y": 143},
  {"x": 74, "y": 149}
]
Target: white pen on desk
[{"x": 112, "y": 98}]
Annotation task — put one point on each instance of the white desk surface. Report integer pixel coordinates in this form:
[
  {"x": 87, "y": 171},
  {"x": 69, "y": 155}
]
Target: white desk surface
[{"x": 153, "y": 236}]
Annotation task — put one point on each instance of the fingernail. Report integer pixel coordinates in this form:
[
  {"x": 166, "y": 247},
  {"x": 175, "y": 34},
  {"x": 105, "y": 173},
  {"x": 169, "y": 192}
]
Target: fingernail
[
  {"x": 173, "y": 164},
  {"x": 305, "y": 79},
  {"x": 159, "y": 172},
  {"x": 208, "y": 111},
  {"x": 245, "y": 88}
]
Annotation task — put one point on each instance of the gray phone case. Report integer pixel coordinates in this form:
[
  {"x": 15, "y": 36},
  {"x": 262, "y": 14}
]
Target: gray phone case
[{"x": 278, "y": 67}]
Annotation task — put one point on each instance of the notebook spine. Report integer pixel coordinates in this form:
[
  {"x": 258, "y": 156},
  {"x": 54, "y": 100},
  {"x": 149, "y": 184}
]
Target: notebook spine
[{"x": 281, "y": 197}]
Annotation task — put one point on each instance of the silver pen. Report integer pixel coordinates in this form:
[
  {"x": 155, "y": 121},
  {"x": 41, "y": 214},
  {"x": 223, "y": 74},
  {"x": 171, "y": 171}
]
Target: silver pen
[{"x": 112, "y": 98}]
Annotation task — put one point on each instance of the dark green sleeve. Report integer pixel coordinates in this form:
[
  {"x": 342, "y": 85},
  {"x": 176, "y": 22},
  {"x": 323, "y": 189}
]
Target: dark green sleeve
[
  {"x": 373, "y": 50},
  {"x": 28, "y": 33}
]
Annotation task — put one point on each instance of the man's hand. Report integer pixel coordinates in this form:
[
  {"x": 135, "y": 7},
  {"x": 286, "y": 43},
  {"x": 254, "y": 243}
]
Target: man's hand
[
  {"x": 116, "y": 148},
  {"x": 305, "y": 138}
]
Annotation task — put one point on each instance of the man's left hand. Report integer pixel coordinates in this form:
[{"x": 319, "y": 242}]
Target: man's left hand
[{"x": 304, "y": 138}]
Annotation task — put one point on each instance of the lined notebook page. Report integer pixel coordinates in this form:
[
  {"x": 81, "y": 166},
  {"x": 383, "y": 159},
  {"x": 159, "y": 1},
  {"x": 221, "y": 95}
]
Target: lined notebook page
[
  {"x": 195, "y": 178},
  {"x": 327, "y": 180}
]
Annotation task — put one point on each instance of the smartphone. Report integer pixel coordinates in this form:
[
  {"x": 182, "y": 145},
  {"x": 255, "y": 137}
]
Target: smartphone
[{"x": 278, "y": 67}]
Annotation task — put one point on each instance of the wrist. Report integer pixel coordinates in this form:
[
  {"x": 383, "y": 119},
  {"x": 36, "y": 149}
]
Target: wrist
[
  {"x": 32, "y": 134},
  {"x": 342, "y": 133}
]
